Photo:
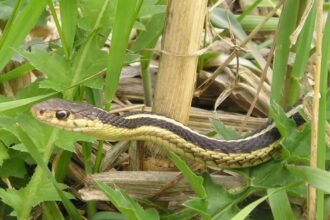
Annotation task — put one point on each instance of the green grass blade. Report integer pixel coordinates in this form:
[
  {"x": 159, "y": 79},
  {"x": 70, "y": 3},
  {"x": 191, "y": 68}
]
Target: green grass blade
[
  {"x": 126, "y": 14},
  {"x": 23, "y": 24},
  {"x": 51, "y": 211},
  {"x": 19, "y": 71},
  {"x": 280, "y": 205},
  {"x": 10, "y": 21},
  {"x": 5, "y": 106},
  {"x": 286, "y": 27},
  {"x": 318, "y": 178},
  {"x": 69, "y": 17},
  {"x": 302, "y": 54},
  {"x": 148, "y": 39},
  {"x": 249, "y": 208}
]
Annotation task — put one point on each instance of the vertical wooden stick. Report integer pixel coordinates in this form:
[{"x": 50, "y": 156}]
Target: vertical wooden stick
[
  {"x": 311, "y": 200},
  {"x": 180, "y": 45}
]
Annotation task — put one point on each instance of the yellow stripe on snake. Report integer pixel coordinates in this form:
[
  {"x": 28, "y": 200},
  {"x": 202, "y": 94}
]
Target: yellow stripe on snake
[{"x": 165, "y": 132}]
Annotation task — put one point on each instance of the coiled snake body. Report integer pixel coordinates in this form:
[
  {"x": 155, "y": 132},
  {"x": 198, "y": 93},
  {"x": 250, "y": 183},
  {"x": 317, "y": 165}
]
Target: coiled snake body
[{"x": 166, "y": 132}]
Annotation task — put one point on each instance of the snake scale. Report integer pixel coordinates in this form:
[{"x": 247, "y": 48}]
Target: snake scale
[{"x": 165, "y": 132}]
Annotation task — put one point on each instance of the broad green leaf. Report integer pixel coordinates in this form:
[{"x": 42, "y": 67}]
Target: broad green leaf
[
  {"x": 33, "y": 150},
  {"x": 295, "y": 141},
  {"x": 127, "y": 206},
  {"x": 220, "y": 203},
  {"x": 67, "y": 139},
  {"x": 91, "y": 19},
  {"x": 3, "y": 153},
  {"x": 40, "y": 133},
  {"x": 18, "y": 198},
  {"x": 196, "y": 182},
  {"x": 182, "y": 214},
  {"x": 270, "y": 175},
  {"x": 222, "y": 130},
  {"x": 280, "y": 205},
  {"x": 283, "y": 124},
  {"x": 14, "y": 166},
  {"x": 54, "y": 66},
  {"x": 107, "y": 215},
  {"x": 153, "y": 30},
  {"x": 199, "y": 205},
  {"x": 6, "y": 137},
  {"x": 90, "y": 65}
]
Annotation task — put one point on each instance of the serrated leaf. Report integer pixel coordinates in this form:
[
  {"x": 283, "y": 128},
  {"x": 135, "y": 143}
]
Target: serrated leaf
[
  {"x": 3, "y": 153},
  {"x": 294, "y": 140},
  {"x": 182, "y": 214},
  {"x": 66, "y": 140},
  {"x": 18, "y": 198},
  {"x": 53, "y": 65},
  {"x": 33, "y": 150},
  {"x": 14, "y": 166},
  {"x": 283, "y": 124},
  {"x": 199, "y": 205},
  {"x": 220, "y": 203},
  {"x": 90, "y": 11},
  {"x": 127, "y": 206},
  {"x": 270, "y": 175},
  {"x": 40, "y": 133},
  {"x": 223, "y": 131},
  {"x": 196, "y": 182}
]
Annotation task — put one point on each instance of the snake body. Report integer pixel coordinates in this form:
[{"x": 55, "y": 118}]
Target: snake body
[{"x": 250, "y": 151}]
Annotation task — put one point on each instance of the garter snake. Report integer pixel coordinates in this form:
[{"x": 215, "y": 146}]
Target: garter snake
[{"x": 249, "y": 151}]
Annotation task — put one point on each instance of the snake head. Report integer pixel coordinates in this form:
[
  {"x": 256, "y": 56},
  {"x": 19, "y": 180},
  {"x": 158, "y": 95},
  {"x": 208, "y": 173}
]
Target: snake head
[{"x": 66, "y": 114}]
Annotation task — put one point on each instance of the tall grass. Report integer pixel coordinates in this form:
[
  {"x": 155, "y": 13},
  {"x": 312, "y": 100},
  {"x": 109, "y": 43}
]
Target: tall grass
[{"x": 74, "y": 67}]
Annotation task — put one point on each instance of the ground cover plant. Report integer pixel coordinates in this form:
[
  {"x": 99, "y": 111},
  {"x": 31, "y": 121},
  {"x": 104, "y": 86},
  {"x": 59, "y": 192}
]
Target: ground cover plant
[{"x": 77, "y": 50}]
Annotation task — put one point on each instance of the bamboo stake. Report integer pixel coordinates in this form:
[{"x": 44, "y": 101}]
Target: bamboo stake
[{"x": 180, "y": 45}]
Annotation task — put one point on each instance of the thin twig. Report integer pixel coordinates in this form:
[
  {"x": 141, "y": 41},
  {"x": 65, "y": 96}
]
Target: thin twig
[
  {"x": 202, "y": 88},
  {"x": 262, "y": 80}
]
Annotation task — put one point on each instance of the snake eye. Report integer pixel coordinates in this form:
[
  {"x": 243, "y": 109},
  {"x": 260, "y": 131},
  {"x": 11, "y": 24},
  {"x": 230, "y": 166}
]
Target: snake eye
[{"x": 61, "y": 115}]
